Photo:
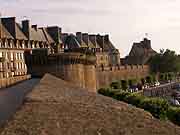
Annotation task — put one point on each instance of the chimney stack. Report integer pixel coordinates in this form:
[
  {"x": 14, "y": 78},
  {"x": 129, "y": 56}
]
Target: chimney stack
[
  {"x": 34, "y": 27},
  {"x": 100, "y": 41},
  {"x": 10, "y": 24},
  {"x": 79, "y": 37},
  {"x": 26, "y": 28},
  {"x": 93, "y": 39},
  {"x": 85, "y": 38},
  {"x": 106, "y": 38}
]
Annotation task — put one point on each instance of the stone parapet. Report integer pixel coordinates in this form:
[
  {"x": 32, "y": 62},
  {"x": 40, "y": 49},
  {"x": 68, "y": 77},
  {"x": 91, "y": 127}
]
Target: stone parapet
[{"x": 6, "y": 82}]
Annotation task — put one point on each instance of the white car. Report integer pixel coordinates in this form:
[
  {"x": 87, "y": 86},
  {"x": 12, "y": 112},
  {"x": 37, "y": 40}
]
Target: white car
[{"x": 157, "y": 84}]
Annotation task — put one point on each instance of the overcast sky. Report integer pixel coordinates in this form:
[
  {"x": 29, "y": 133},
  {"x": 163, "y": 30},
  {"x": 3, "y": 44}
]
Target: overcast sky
[{"x": 126, "y": 21}]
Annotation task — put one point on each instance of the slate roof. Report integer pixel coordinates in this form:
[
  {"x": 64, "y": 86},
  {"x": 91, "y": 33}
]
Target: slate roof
[
  {"x": 47, "y": 36},
  {"x": 83, "y": 44},
  {"x": 71, "y": 42},
  {"x": 37, "y": 35},
  {"x": 4, "y": 32},
  {"x": 108, "y": 46},
  {"x": 94, "y": 42},
  {"x": 18, "y": 32},
  {"x": 91, "y": 45}
]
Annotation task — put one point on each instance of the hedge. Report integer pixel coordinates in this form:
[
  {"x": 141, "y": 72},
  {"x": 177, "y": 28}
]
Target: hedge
[
  {"x": 115, "y": 85},
  {"x": 174, "y": 115},
  {"x": 124, "y": 84},
  {"x": 158, "y": 107}
]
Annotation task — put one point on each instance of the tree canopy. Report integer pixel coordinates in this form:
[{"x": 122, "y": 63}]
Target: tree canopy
[{"x": 165, "y": 61}]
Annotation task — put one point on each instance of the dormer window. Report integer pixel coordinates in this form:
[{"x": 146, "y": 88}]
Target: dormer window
[
  {"x": 23, "y": 45},
  {"x": 5, "y": 43},
  {"x": 11, "y": 44},
  {"x": 17, "y": 44}
]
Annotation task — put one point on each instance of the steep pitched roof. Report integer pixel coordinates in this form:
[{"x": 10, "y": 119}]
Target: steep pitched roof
[
  {"x": 94, "y": 42},
  {"x": 4, "y": 32},
  {"x": 18, "y": 32},
  {"x": 83, "y": 44},
  {"x": 47, "y": 36},
  {"x": 71, "y": 42},
  {"x": 91, "y": 45},
  {"x": 41, "y": 35},
  {"x": 37, "y": 35}
]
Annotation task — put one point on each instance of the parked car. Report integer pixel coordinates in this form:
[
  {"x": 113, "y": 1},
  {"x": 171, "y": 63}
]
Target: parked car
[{"x": 156, "y": 84}]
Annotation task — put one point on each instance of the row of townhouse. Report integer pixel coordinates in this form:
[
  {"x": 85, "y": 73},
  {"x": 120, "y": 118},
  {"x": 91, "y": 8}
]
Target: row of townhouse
[
  {"x": 105, "y": 51},
  {"x": 16, "y": 39}
]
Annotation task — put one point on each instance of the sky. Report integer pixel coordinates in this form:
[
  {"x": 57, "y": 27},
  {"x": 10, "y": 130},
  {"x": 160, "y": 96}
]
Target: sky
[{"x": 126, "y": 21}]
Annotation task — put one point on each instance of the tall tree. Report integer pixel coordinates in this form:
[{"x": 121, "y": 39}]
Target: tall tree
[{"x": 165, "y": 61}]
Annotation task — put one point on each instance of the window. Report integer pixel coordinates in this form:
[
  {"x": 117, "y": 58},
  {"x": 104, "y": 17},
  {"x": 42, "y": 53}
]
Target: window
[
  {"x": 11, "y": 44},
  {"x": 12, "y": 74},
  {"x": 5, "y": 43},
  {"x": 22, "y": 55},
  {"x": 23, "y": 45},
  {"x": 1, "y": 54},
  {"x": 16, "y": 56},
  {"x": 1, "y": 65},
  {"x": 12, "y": 57},
  {"x": 17, "y": 65}
]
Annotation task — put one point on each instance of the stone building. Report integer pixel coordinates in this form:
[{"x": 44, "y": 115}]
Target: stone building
[
  {"x": 140, "y": 53},
  {"x": 55, "y": 34},
  {"x": 37, "y": 37},
  {"x": 105, "y": 52},
  {"x": 12, "y": 48}
]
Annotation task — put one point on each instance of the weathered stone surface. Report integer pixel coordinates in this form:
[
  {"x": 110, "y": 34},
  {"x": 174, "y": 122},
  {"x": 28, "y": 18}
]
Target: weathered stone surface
[{"x": 56, "y": 107}]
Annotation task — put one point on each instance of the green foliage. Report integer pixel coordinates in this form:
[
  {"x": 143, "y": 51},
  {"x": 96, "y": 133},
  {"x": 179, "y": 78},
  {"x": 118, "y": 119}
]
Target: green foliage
[
  {"x": 154, "y": 78},
  {"x": 115, "y": 85},
  {"x": 171, "y": 76},
  {"x": 162, "y": 77},
  {"x": 164, "y": 62},
  {"x": 174, "y": 115},
  {"x": 106, "y": 92},
  {"x": 166, "y": 77},
  {"x": 124, "y": 84},
  {"x": 149, "y": 79},
  {"x": 158, "y": 107},
  {"x": 132, "y": 82},
  {"x": 143, "y": 81}
]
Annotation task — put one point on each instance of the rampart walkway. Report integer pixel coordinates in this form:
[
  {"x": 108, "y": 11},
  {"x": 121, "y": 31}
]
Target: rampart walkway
[{"x": 12, "y": 98}]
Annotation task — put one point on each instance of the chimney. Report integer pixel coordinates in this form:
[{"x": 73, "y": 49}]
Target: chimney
[
  {"x": 106, "y": 38},
  {"x": 26, "y": 28},
  {"x": 64, "y": 37},
  {"x": 146, "y": 43},
  {"x": 34, "y": 27},
  {"x": 85, "y": 38},
  {"x": 10, "y": 24},
  {"x": 93, "y": 39},
  {"x": 79, "y": 37},
  {"x": 100, "y": 41}
]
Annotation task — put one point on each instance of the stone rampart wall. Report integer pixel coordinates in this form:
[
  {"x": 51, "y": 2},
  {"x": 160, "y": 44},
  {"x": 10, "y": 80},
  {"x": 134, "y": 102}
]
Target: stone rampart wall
[{"x": 109, "y": 74}]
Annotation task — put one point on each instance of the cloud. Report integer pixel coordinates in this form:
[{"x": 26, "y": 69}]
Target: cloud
[{"x": 125, "y": 20}]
